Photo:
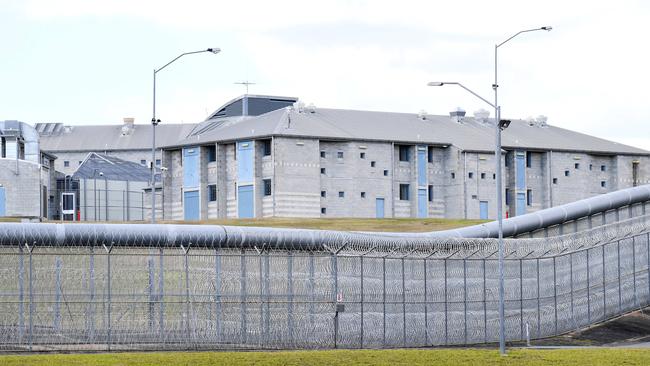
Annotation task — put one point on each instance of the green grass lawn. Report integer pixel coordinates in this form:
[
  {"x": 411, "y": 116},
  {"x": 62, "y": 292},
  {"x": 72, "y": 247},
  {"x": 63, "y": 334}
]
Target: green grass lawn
[
  {"x": 346, "y": 224},
  {"x": 452, "y": 357}
]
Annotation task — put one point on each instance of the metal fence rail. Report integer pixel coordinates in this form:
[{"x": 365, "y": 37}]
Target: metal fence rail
[{"x": 352, "y": 291}]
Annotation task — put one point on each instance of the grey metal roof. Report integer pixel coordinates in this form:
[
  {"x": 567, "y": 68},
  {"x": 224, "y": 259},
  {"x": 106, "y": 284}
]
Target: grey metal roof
[
  {"x": 111, "y": 137},
  {"x": 339, "y": 124},
  {"x": 112, "y": 168}
]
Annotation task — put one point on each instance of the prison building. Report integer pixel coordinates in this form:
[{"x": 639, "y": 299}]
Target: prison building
[
  {"x": 317, "y": 162},
  {"x": 27, "y": 174},
  {"x": 128, "y": 141}
]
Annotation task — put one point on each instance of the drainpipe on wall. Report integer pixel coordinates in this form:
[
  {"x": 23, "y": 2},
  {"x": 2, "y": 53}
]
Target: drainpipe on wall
[
  {"x": 273, "y": 182},
  {"x": 550, "y": 179},
  {"x": 465, "y": 184},
  {"x": 392, "y": 179}
]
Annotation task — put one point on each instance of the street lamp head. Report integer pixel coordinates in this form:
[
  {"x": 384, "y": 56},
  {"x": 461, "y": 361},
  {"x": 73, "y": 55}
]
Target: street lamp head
[
  {"x": 435, "y": 83},
  {"x": 504, "y": 123},
  {"x": 547, "y": 28},
  {"x": 214, "y": 50}
]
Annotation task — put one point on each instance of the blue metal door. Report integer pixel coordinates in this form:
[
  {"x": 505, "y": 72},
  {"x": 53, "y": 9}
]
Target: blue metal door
[
  {"x": 191, "y": 205},
  {"x": 245, "y": 202},
  {"x": 245, "y": 161},
  {"x": 423, "y": 209},
  {"x": 484, "y": 210},
  {"x": 520, "y": 157},
  {"x": 422, "y": 166},
  {"x": 521, "y": 203},
  {"x": 3, "y": 210},
  {"x": 379, "y": 204},
  {"x": 191, "y": 167}
]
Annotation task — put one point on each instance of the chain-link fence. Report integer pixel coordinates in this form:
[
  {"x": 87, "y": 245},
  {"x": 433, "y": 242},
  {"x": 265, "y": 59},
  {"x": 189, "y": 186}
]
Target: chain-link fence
[{"x": 348, "y": 293}]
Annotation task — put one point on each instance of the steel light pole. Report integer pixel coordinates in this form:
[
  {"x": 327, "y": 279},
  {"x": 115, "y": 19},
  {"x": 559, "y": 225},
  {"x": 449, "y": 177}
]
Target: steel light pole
[
  {"x": 155, "y": 121},
  {"x": 499, "y": 125}
]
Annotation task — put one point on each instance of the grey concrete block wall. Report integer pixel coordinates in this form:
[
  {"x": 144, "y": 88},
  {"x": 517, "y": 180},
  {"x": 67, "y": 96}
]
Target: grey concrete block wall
[
  {"x": 297, "y": 176},
  {"x": 22, "y": 182}
]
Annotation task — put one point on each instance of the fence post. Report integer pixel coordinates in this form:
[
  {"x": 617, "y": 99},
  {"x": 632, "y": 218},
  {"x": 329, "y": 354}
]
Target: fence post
[
  {"x": 484, "y": 304},
  {"x": 634, "y": 268},
  {"x": 31, "y": 297},
  {"x": 426, "y": 305},
  {"x": 217, "y": 293},
  {"x": 267, "y": 320},
  {"x": 290, "y": 297},
  {"x": 384, "y": 298},
  {"x": 108, "y": 289},
  {"x": 555, "y": 293},
  {"x": 588, "y": 290},
  {"x": 647, "y": 241},
  {"x": 465, "y": 300},
  {"x": 573, "y": 320},
  {"x": 91, "y": 307},
  {"x": 539, "y": 315},
  {"x": 21, "y": 294},
  {"x": 403, "y": 305},
  {"x": 604, "y": 288},
  {"x": 188, "y": 332},
  {"x": 335, "y": 300},
  {"x": 361, "y": 338},
  {"x": 445, "y": 293},
  {"x": 242, "y": 297},
  {"x": 57, "y": 296},
  {"x": 161, "y": 295},
  {"x": 263, "y": 333},
  {"x": 311, "y": 293},
  {"x": 618, "y": 271},
  {"x": 151, "y": 295},
  {"x": 521, "y": 298}
]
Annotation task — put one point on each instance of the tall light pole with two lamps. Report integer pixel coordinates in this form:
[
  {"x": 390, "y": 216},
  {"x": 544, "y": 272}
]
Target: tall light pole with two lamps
[
  {"x": 499, "y": 125},
  {"x": 155, "y": 121}
]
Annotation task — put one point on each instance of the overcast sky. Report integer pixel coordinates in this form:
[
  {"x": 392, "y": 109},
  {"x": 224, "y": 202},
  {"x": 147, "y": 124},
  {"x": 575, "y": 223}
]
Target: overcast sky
[{"x": 91, "y": 62}]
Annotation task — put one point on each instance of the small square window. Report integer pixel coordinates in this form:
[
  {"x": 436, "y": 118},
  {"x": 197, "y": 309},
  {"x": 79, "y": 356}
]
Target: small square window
[
  {"x": 566, "y": 173},
  {"x": 603, "y": 168},
  {"x": 212, "y": 192},
  {"x": 323, "y": 194},
  {"x": 554, "y": 180},
  {"x": 404, "y": 153},
  {"x": 603, "y": 183},
  {"x": 66, "y": 163},
  {"x": 322, "y": 170},
  {"x": 470, "y": 175},
  {"x": 363, "y": 194},
  {"x": 323, "y": 154},
  {"x": 323, "y": 210},
  {"x": 494, "y": 176},
  {"x": 482, "y": 175},
  {"x": 267, "y": 187},
  {"x": 591, "y": 166},
  {"x": 341, "y": 194},
  {"x": 385, "y": 173},
  {"x": 372, "y": 164},
  {"x": 339, "y": 154},
  {"x": 453, "y": 175},
  {"x": 576, "y": 165},
  {"x": 362, "y": 155}
]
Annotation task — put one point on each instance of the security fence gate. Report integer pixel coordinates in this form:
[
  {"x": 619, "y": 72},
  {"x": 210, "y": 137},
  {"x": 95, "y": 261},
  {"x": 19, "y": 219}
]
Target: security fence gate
[{"x": 192, "y": 291}]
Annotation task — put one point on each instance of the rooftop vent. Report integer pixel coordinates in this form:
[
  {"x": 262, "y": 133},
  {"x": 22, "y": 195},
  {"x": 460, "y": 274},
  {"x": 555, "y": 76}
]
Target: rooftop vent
[
  {"x": 299, "y": 106},
  {"x": 422, "y": 115},
  {"x": 127, "y": 128},
  {"x": 530, "y": 121},
  {"x": 311, "y": 108},
  {"x": 67, "y": 129},
  {"x": 458, "y": 115},
  {"x": 482, "y": 115},
  {"x": 541, "y": 121}
]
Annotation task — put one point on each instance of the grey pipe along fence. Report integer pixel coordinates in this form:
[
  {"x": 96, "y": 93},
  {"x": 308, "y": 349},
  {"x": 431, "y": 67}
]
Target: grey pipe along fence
[{"x": 110, "y": 286}]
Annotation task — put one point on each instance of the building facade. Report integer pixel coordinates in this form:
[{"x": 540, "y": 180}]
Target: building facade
[{"x": 312, "y": 162}]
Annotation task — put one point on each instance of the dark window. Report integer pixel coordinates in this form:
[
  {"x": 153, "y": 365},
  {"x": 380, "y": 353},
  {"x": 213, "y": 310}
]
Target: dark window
[
  {"x": 323, "y": 154},
  {"x": 79, "y": 162},
  {"x": 212, "y": 192},
  {"x": 529, "y": 197},
  {"x": 143, "y": 162},
  {"x": 453, "y": 175},
  {"x": 362, "y": 155},
  {"x": 554, "y": 180},
  {"x": 339, "y": 154},
  {"x": 430, "y": 154},
  {"x": 363, "y": 194},
  {"x": 404, "y": 192},
  {"x": 566, "y": 173},
  {"x": 266, "y": 147},
  {"x": 603, "y": 183},
  {"x": 66, "y": 163},
  {"x": 323, "y": 193},
  {"x": 322, "y": 170},
  {"x": 372, "y": 164},
  {"x": 507, "y": 159},
  {"x": 494, "y": 176},
  {"x": 341, "y": 194},
  {"x": 430, "y": 193},
  {"x": 323, "y": 210},
  {"x": 212, "y": 153},
  {"x": 470, "y": 175},
  {"x": 267, "y": 187},
  {"x": 529, "y": 159},
  {"x": 576, "y": 165},
  {"x": 158, "y": 162},
  {"x": 591, "y": 166},
  {"x": 385, "y": 173},
  {"x": 507, "y": 196},
  {"x": 603, "y": 168},
  {"x": 404, "y": 153},
  {"x": 482, "y": 175}
]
